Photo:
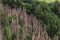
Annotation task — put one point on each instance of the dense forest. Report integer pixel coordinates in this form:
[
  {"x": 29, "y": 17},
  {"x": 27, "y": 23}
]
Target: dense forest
[{"x": 29, "y": 20}]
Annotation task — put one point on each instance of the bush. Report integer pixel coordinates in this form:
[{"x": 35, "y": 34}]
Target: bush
[{"x": 7, "y": 33}]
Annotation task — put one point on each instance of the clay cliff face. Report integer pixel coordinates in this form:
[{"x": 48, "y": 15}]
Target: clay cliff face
[{"x": 29, "y": 21}]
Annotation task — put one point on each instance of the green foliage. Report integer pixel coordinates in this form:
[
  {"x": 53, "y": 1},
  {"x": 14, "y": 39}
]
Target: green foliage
[
  {"x": 29, "y": 37},
  {"x": 28, "y": 7},
  {"x": 5, "y": 1},
  {"x": 56, "y": 8},
  {"x": 6, "y": 21},
  {"x": 20, "y": 33},
  {"x": 16, "y": 3},
  {"x": 14, "y": 35},
  {"x": 20, "y": 22},
  {"x": 50, "y": 20},
  {"x": 2, "y": 11},
  {"x": 7, "y": 33},
  {"x": 12, "y": 3},
  {"x": 14, "y": 16},
  {"x": 21, "y": 28}
]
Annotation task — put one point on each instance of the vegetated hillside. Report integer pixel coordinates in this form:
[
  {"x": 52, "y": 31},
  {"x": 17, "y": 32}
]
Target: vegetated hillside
[
  {"x": 29, "y": 20},
  {"x": 48, "y": 0}
]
